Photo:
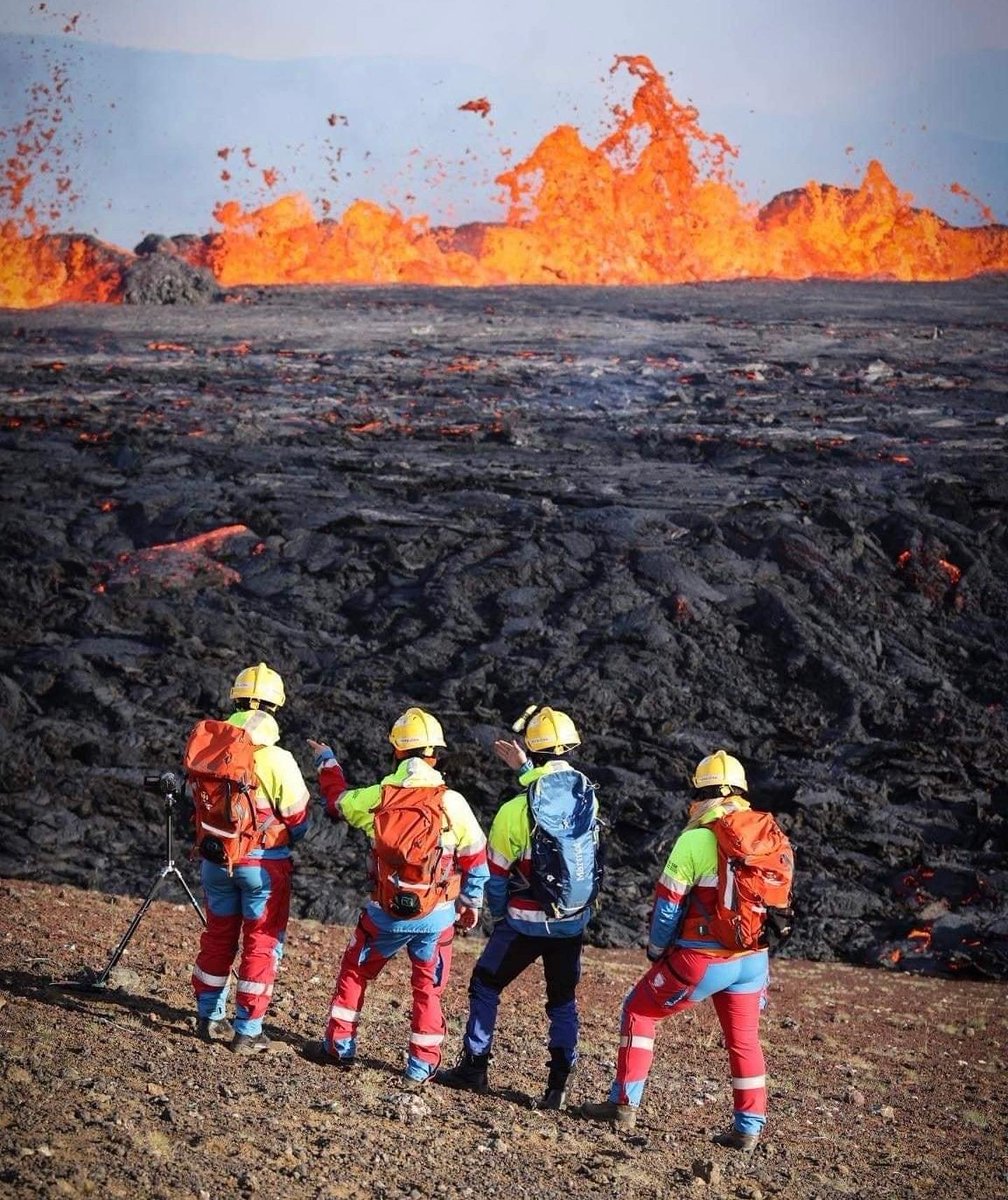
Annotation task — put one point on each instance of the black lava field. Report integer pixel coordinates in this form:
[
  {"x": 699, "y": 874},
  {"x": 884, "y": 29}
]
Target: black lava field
[{"x": 768, "y": 517}]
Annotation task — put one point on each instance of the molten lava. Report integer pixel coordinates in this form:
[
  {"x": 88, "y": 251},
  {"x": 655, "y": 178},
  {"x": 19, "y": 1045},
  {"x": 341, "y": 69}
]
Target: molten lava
[
  {"x": 652, "y": 203},
  {"x": 178, "y": 564}
]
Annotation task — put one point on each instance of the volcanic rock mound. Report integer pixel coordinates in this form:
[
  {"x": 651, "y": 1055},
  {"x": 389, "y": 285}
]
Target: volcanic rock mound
[
  {"x": 770, "y": 518},
  {"x": 163, "y": 278}
]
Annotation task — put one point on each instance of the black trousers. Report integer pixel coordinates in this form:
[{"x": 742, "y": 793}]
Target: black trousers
[{"x": 505, "y": 956}]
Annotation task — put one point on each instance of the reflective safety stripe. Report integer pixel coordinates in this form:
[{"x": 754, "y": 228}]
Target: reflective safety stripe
[
  {"x": 227, "y": 832},
  {"x": 209, "y": 980},
  {"x": 426, "y": 1039},
  {"x": 637, "y": 1043},
  {"x": 339, "y": 1013},
  {"x": 749, "y": 1081},
  {"x": 253, "y": 988},
  {"x": 527, "y": 914},
  {"x": 706, "y": 881},
  {"x": 729, "y": 887},
  {"x": 496, "y": 857}
]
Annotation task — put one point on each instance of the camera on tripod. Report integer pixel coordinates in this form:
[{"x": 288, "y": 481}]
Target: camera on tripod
[
  {"x": 167, "y": 784},
  {"x": 170, "y": 788}
]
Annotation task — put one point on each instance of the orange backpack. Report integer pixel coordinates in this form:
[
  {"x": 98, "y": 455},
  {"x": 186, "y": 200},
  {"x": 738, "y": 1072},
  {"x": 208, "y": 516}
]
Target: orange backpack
[
  {"x": 410, "y": 877},
  {"x": 219, "y": 763},
  {"x": 755, "y": 876}
]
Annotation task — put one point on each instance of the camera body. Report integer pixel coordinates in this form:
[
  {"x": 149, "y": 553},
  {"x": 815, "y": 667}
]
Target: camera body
[{"x": 167, "y": 784}]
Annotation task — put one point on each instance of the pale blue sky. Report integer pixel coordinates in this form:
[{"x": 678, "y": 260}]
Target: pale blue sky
[
  {"x": 917, "y": 83},
  {"x": 770, "y": 52}
]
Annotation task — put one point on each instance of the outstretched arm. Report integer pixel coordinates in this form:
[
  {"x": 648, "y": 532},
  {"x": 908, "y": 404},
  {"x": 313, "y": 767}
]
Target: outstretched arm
[{"x": 332, "y": 781}]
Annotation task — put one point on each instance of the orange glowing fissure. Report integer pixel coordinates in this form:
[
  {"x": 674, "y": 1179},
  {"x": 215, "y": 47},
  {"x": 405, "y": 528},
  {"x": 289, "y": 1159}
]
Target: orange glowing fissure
[
  {"x": 176, "y": 563},
  {"x": 652, "y": 203}
]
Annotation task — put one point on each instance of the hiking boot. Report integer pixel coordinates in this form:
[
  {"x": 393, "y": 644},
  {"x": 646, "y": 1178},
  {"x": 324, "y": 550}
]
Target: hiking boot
[
  {"x": 215, "y": 1029},
  {"x": 552, "y": 1098},
  {"x": 250, "y": 1043},
  {"x": 555, "y": 1094},
  {"x": 469, "y": 1074},
  {"x": 410, "y": 1083},
  {"x": 622, "y": 1116},
  {"x": 316, "y": 1052},
  {"x": 737, "y": 1141}
]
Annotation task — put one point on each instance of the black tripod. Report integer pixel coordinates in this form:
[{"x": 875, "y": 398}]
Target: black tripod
[{"x": 169, "y": 786}]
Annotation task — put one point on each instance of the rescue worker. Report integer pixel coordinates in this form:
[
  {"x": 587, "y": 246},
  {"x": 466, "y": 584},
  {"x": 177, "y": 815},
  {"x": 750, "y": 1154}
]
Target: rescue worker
[
  {"x": 416, "y": 738},
  {"x": 522, "y": 931},
  {"x": 690, "y": 966},
  {"x": 251, "y": 905}
]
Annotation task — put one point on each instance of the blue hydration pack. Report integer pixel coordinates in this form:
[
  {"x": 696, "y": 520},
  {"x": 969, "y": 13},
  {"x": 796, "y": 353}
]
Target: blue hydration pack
[{"x": 566, "y": 860}]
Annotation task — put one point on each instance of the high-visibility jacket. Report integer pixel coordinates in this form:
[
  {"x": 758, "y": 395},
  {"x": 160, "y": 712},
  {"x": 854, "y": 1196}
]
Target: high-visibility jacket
[
  {"x": 281, "y": 798},
  {"x": 509, "y": 852},
  {"x": 687, "y": 890},
  {"x": 463, "y": 840}
]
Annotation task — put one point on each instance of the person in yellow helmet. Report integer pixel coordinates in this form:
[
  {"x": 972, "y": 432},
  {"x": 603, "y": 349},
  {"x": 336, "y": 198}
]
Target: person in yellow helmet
[
  {"x": 250, "y": 905},
  {"x": 531, "y": 920},
  {"x": 418, "y": 915},
  {"x": 690, "y": 965}
]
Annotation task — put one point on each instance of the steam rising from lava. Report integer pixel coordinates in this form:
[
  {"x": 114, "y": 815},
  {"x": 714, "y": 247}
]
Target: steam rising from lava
[{"x": 652, "y": 203}]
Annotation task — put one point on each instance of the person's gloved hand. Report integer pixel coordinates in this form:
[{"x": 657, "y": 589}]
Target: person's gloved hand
[
  {"x": 654, "y": 952},
  {"x": 466, "y": 918},
  {"x": 324, "y": 756}
]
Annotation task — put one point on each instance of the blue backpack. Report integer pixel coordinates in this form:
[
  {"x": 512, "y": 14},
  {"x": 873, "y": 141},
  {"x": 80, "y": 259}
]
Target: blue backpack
[{"x": 566, "y": 861}]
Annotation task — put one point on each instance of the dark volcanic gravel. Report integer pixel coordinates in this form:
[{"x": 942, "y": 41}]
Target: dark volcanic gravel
[{"x": 769, "y": 517}]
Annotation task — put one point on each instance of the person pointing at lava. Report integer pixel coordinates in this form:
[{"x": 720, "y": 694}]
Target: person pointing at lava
[{"x": 428, "y": 870}]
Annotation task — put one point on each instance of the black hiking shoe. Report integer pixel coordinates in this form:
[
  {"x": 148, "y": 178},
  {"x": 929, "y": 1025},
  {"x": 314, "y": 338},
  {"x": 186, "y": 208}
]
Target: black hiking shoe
[
  {"x": 250, "y": 1043},
  {"x": 555, "y": 1095},
  {"x": 552, "y": 1098},
  {"x": 217, "y": 1029},
  {"x": 737, "y": 1141},
  {"x": 469, "y": 1074}
]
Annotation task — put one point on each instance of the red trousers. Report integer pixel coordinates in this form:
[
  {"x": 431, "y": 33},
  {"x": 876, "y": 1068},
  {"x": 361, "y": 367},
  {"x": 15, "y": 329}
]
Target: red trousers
[
  {"x": 737, "y": 988},
  {"x": 364, "y": 959},
  {"x": 249, "y": 908}
]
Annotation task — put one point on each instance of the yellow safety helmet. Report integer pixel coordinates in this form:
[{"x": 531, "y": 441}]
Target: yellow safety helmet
[
  {"x": 258, "y": 685},
  {"x": 722, "y": 771},
  {"x": 551, "y": 731},
  {"x": 416, "y": 730}
]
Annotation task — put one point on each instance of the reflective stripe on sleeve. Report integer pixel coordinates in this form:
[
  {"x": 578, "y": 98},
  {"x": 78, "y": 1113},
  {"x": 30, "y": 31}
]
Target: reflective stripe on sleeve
[
  {"x": 497, "y": 859},
  {"x": 672, "y": 885}
]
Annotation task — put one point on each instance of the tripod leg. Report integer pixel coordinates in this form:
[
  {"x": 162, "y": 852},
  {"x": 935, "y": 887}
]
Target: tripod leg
[
  {"x": 188, "y": 891},
  {"x": 102, "y": 979}
]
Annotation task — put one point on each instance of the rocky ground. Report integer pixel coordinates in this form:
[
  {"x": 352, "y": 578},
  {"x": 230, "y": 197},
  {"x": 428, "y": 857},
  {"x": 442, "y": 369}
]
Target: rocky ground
[{"x": 882, "y": 1083}]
